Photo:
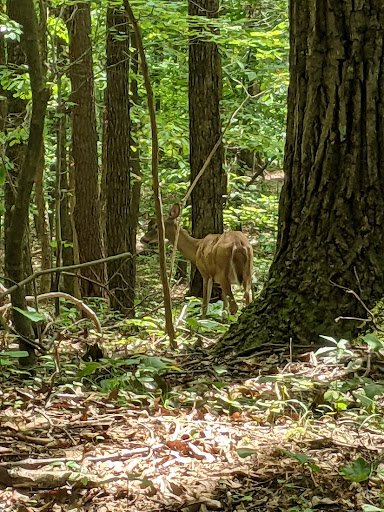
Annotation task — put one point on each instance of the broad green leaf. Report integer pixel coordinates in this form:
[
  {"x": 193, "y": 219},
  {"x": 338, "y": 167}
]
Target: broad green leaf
[
  {"x": 33, "y": 316},
  {"x": 246, "y": 452},
  {"x": 358, "y": 471},
  {"x": 89, "y": 369},
  {"x": 373, "y": 342},
  {"x": 5, "y": 362},
  {"x": 220, "y": 370},
  {"x": 73, "y": 465},
  {"x": 14, "y": 353},
  {"x": 372, "y": 390}
]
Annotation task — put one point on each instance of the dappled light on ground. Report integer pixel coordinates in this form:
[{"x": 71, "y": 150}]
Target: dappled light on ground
[{"x": 261, "y": 433}]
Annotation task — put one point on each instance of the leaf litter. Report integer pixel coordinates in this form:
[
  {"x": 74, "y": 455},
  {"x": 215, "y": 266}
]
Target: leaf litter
[{"x": 245, "y": 434}]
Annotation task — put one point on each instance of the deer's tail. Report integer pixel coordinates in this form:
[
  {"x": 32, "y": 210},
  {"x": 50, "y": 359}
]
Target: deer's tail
[{"x": 242, "y": 261}]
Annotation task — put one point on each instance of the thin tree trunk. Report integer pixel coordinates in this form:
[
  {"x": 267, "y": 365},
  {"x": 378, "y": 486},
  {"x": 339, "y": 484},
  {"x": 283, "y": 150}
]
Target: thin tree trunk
[
  {"x": 205, "y": 130},
  {"x": 155, "y": 173},
  {"x": 42, "y": 227},
  {"x": 64, "y": 189},
  {"x": 16, "y": 107},
  {"x": 3, "y": 123},
  {"x": 25, "y": 15},
  {"x": 66, "y": 208},
  {"x": 42, "y": 224},
  {"x": 120, "y": 234},
  {"x": 134, "y": 155},
  {"x": 84, "y": 147}
]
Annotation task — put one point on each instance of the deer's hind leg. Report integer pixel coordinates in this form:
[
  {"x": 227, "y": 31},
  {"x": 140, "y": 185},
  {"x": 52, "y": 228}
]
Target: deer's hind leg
[
  {"x": 247, "y": 285},
  {"x": 227, "y": 295}
]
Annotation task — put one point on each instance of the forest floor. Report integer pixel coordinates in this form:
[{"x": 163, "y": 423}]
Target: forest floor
[
  {"x": 270, "y": 432},
  {"x": 144, "y": 428}
]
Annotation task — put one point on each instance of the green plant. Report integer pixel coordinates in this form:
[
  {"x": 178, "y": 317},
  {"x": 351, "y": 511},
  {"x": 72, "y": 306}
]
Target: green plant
[
  {"x": 359, "y": 470},
  {"x": 139, "y": 374}
]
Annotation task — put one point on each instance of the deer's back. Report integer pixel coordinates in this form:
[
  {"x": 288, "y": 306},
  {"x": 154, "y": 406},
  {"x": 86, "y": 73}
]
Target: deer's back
[{"x": 225, "y": 256}]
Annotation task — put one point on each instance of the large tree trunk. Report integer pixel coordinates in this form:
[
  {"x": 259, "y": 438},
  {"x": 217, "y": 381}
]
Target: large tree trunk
[
  {"x": 84, "y": 148},
  {"x": 332, "y": 205},
  {"x": 120, "y": 234},
  {"x": 205, "y": 130},
  {"x": 24, "y": 13}
]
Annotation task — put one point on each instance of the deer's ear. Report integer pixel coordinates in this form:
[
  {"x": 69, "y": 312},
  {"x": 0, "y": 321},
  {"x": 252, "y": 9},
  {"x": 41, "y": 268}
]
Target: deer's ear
[{"x": 174, "y": 211}]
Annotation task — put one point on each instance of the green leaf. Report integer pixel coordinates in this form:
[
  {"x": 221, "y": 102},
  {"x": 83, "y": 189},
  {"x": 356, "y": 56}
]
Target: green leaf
[
  {"x": 33, "y": 316},
  {"x": 380, "y": 471},
  {"x": 358, "y": 471},
  {"x": 220, "y": 370},
  {"x": 372, "y": 390},
  {"x": 372, "y": 508},
  {"x": 14, "y": 353},
  {"x": 208, "y": 324},
  {"x": 154, "y": 362},
  {"x": 298, "y": 457},
  {"x": 373, "y": 342},
  {"x": 89, "y": 369},
  {"x": 246, "y": 452},
  {"x": 314, "y": 467},
  {"x": 73, "y": 465}
]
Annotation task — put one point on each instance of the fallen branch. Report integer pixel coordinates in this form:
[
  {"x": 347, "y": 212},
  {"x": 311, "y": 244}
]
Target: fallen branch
[
  {"x": 40, "y": 479},
  {"x": 39, "y": 273},
  {"x": 77, "y": 302},
  {"x": 41, "y": 462}
]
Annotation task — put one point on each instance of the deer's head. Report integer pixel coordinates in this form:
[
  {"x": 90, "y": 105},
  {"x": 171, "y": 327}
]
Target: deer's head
[{"x": 152, "y": 234}]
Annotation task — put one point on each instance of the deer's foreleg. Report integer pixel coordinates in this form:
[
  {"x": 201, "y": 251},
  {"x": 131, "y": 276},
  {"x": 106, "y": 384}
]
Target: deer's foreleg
[{"x": 207, "y": 292}]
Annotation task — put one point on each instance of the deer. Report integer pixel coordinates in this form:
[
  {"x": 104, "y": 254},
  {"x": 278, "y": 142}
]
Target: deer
[{"x": 224, "y": 259}]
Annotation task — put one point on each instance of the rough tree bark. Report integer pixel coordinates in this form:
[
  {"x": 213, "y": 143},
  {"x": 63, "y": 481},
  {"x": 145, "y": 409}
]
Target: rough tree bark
[
  {"x": 25, "y": 15},
  {"x": 205, "y": 129},
  {"x": 120, "y": 233},
  {"x": 332, "y": 203},
  {"x": 16, "y": 113},
  {"x": 84, "y": 147}
]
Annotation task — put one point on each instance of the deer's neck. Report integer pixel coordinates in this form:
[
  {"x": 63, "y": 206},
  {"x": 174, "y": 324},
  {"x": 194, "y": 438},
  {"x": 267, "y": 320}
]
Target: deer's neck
[{"x": 187, "y": 245}]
